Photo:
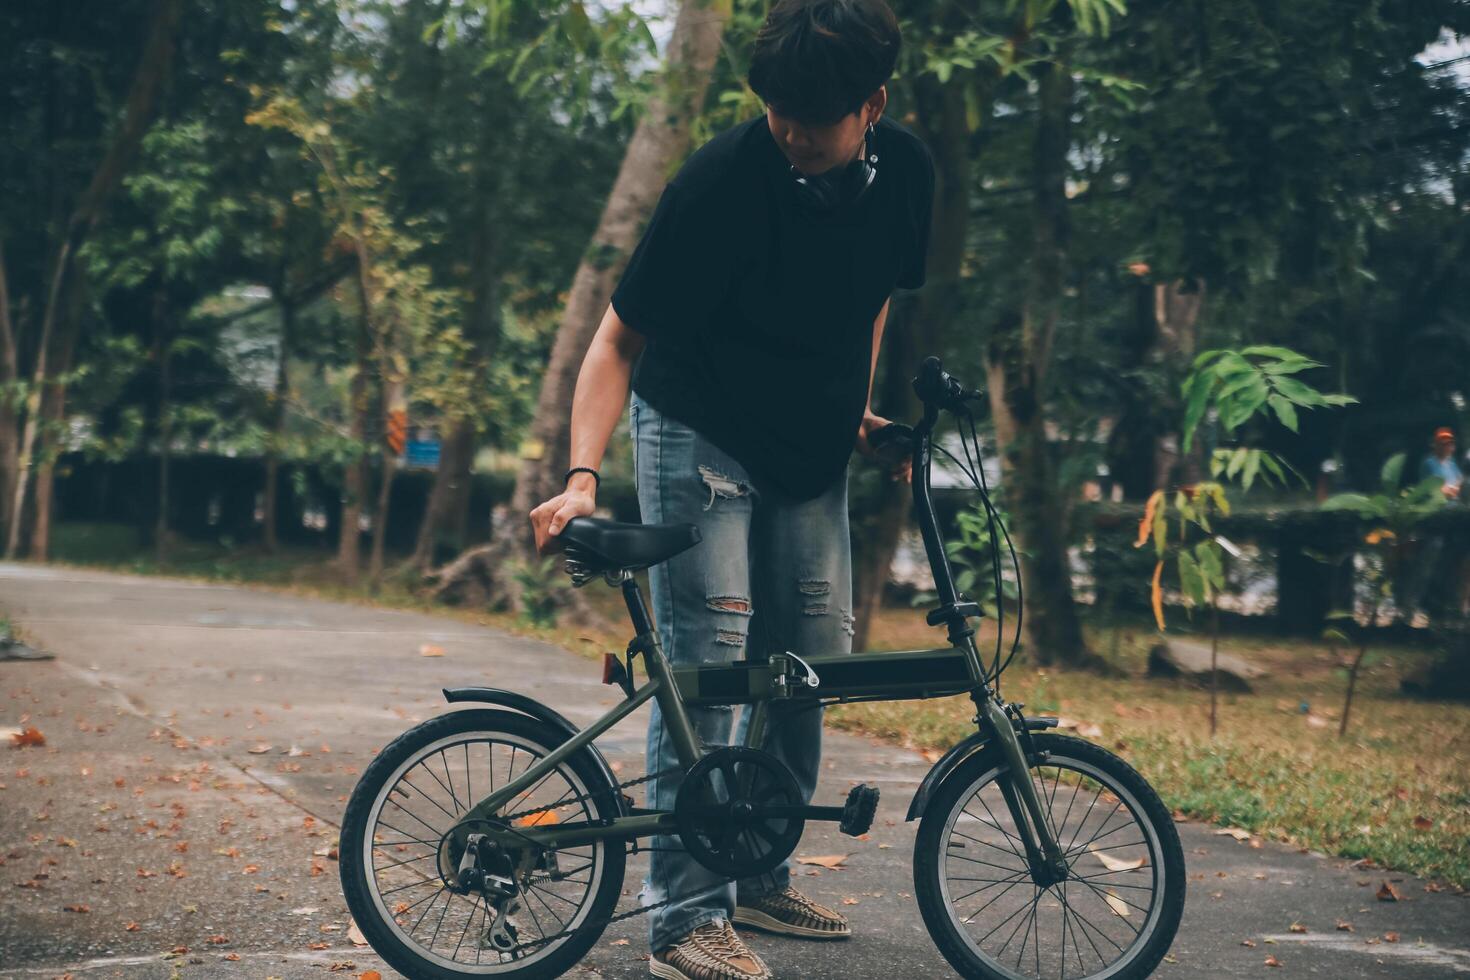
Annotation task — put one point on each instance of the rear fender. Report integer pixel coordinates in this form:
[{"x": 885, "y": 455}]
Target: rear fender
[{"x": 539, "y": 711}]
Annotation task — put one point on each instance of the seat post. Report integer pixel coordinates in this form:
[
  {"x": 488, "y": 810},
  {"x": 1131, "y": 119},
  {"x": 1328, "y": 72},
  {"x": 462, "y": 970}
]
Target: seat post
[{"x": 637, "y": 608}]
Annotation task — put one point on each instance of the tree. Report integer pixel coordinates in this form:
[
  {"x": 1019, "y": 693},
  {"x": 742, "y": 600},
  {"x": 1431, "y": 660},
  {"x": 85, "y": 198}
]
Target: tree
[
  {"x": 151, "y": 74},
  {"x": 660, "y": 139}
]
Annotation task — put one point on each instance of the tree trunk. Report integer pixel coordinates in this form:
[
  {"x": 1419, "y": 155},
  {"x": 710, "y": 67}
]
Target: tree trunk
[
  {"x": 53, "y": 411},
  {"x": 153, "y": 69},
  {"x": 1017, "y": 360},
  {"x": 354, "y": 475},
  {"x": 446, "y": 512},
  {"x": 915, "y": 327},
  {"x": 1176, "y": 316},
  {"x": 162, "y": 358},
  {"x": 392, "y": 398},
  {"x": 278, "y": 425},
  {"x": 443, "y": 518},
  {"x": 9, "y": 375},
  {"x": 661, "y": 138}
]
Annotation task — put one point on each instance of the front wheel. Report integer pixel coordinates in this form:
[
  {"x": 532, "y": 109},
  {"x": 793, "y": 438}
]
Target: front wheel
[
  {"x": 395, "y": 833},
  {"x": 1114, "y": 914}
]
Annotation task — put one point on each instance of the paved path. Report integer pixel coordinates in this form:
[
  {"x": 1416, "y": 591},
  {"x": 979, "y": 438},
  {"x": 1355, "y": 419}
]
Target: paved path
[{"x": 201, "y": 741}]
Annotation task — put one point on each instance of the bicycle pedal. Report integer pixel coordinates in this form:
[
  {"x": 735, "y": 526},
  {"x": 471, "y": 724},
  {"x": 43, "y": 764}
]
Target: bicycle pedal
[{"x": 859, "y": 810}]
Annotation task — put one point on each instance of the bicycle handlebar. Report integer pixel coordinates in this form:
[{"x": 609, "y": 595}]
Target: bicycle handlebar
[{"x": 938, "y": 389}]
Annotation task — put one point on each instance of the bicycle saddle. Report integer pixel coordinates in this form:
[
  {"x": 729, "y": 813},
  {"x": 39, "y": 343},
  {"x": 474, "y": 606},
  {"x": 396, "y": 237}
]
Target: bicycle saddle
[{"x": 603, "y": 545}]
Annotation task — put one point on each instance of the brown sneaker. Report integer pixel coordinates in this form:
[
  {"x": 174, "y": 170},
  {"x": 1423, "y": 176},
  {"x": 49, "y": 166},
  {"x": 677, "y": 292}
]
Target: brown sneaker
[
  {"x": 711, "y": 952},
  {"x": 791, "y": 913}
]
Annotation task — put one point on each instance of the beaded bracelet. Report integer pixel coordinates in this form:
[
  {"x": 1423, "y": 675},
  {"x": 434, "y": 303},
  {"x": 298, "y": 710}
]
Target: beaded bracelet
[{"x": 597, "y": 477}]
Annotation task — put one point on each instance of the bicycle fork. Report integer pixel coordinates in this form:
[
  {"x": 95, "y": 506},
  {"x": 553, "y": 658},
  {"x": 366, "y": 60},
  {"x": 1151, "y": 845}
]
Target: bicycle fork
[{"x": 1043, "y": 851}]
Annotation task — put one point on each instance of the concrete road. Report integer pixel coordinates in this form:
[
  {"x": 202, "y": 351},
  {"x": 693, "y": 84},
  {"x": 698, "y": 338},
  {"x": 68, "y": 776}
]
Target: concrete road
[{"x": 201, "y": 741}]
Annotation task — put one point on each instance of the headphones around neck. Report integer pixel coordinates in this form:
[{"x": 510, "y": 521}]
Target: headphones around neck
[{"x": 841, "y": 187}]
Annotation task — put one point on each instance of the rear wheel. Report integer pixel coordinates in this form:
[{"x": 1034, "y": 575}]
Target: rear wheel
[
  {"x": 1114, "y": 914},
  {"x": 393, "y": 841}
]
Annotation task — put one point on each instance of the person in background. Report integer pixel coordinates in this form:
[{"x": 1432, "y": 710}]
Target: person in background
[{"x": 1441, "y": 463}]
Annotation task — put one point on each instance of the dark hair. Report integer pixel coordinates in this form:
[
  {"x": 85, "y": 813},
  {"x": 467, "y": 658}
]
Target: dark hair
[{"x": 816, "y": 61}]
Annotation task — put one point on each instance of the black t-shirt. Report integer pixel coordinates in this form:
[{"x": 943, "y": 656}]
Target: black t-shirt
[{"x": 759, "y": 314}]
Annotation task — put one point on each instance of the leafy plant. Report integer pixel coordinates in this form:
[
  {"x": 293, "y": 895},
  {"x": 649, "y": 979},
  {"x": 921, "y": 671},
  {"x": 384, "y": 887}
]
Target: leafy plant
[
  {"x": 1239, "y": 385},
  {"x": 1388, "y": 517},
  {"x": 1236, "y": 386},
  {"x": 538, "y": 585}
]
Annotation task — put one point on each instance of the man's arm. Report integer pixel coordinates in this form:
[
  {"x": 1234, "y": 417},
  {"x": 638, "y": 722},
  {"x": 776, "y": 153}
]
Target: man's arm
[
  {"x": 597, "y": 402},
  {"x": 878, "y": 324}
]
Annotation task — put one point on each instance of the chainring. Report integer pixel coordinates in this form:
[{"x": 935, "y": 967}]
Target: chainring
[{"x": 721, "y": 812}]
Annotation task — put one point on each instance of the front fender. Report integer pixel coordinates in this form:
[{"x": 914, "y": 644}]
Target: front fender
[
  {"x": 539, "y": 711},
  {"x": 951, "y": 759},
  {"x": 942, "y": 768}
]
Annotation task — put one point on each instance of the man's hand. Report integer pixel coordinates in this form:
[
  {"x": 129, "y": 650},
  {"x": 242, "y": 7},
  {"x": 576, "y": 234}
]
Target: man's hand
[
  {"x": 1451, "y": 491},
  {"x": 549, "y": 518},
  {"x": 872, "y": 423}
]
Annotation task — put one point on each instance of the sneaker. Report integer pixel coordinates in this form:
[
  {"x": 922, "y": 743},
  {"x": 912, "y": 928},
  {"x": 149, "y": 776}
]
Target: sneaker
[
  {"x": 790, "y": 913},
  {"x": 713, "y": 951}
]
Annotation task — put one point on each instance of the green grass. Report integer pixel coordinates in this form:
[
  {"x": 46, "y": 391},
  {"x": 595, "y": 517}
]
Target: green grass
[{"x": 1272, "y": 769}]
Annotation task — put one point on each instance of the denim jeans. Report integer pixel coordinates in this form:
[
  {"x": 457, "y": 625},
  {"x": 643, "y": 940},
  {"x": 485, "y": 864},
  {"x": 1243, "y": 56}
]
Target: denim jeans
[{"x": 769, "y": 574}]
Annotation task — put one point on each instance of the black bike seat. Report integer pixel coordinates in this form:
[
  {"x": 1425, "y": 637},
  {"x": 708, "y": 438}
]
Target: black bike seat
[{"x": 600, "y": 544}]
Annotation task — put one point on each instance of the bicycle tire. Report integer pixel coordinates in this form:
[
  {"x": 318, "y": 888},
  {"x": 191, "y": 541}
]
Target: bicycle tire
[
  {"x": 355, "y": 858},
  {"x": 932, "y": 848}
]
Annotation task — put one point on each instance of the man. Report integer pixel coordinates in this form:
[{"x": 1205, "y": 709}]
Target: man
[{"x": 756, "y": 299}]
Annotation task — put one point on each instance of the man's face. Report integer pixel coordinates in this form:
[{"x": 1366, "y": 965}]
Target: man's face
[
  {"x": 817, "y": 149},
  {"x": 1444, "y": 448}
]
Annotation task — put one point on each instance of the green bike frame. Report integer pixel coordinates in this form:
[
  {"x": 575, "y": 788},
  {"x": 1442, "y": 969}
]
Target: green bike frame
[{"x": 891, "y": 676}]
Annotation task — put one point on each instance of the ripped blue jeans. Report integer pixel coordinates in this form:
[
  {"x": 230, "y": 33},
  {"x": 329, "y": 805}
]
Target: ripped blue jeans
[{"x": 770, "y": 574}]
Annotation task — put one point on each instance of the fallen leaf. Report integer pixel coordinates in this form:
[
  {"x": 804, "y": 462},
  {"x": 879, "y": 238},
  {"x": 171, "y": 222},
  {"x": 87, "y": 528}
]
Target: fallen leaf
[
  {"x": 1390, "y": 937},
  {"x": 1235, "y": 832},
  {"x": 1117, "y": 864},
  {"x": 218, "y": 940},
  {"x": 355, "y": 936},
  {"x": 1116, "y": 904},
  {"x": 233, "y": 957},
  {"x": 132, "y": 927},
  {"x": 849, "y": 901},
  {"x": 77, "y": 908},
  {"x": 430, "y": 650},
  {"x": 1388, "y": 893},
  {"x": 1272, "y": 961},
  {"x": 22, "y": 737},
  {"x": 370, "y": 975},
  {"x": 260, "y": 748},
  {"x": 1344, "y": 926},
  {"x": 1423, "y": 823},
  {"x": 537, "y": 819},
  {"x": 830, "y": 861},
  {"x": 618, "y": 942},
  {"x": 1248, "y": 942},
  {"x": 318, "y": 945},
  {"x": 1296, "y": 927}
]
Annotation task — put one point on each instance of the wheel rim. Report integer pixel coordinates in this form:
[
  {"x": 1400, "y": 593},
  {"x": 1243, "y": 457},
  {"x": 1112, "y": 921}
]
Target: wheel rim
[
  {"x": 1094, "y": 923},
  {"x": 418, "y": 804}
]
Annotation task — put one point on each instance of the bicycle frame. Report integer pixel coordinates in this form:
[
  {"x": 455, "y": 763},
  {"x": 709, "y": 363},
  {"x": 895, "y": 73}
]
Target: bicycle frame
[{"x": 904, "y": 675}]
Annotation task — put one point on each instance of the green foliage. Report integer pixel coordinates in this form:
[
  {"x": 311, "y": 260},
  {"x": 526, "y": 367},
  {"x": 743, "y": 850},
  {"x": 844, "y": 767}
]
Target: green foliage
[
  {"x": 1234, "y": 386},
  {"x": 971, "y": 553},
  {"x": 1240, "y": 384},
  {"x": 540, "y": 585}
]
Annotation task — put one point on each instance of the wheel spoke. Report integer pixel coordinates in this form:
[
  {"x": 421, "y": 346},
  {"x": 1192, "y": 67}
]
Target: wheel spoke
[
  {"x": 1006, "y": 931},
  {"x": 550, "y": 898}
]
